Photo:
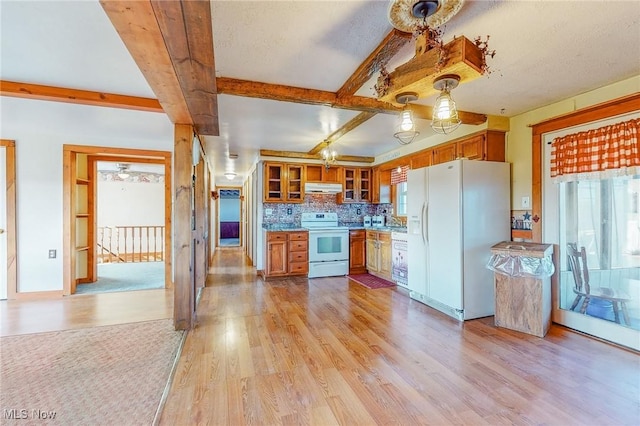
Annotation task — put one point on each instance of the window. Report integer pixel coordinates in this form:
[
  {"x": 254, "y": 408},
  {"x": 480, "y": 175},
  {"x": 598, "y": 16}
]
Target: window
[{"x": 401, "y": 199}]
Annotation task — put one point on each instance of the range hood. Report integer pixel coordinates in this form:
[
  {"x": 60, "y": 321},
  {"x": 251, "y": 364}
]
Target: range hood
[{"x": 322, "y": 188}]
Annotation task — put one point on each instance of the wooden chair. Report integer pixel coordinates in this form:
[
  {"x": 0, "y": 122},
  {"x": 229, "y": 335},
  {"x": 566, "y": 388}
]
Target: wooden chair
[{"x": 582, "y": 289}]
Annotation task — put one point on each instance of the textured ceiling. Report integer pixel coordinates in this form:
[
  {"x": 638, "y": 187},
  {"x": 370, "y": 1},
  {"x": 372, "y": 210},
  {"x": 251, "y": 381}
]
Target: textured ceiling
[{"x": 546, "y": 51}]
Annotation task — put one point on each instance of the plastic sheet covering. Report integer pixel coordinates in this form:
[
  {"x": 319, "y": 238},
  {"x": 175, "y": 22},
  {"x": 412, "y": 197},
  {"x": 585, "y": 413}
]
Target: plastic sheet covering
[{"x": 521, "y": 266}]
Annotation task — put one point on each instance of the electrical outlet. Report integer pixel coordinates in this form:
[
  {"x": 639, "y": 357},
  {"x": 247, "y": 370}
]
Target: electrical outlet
[
  {"x": 289, "y": 210},
  {"x": 525, "y": 203},
  {"x": 358, "y": 211},
  {"x": 52, "y": 254},
  {"x": 268, "y": 212}
]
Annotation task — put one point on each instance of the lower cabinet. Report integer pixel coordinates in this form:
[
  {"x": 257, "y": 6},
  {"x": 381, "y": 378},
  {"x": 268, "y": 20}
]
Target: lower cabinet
[
  {"x": 287, "y": 254},
  {"x": 357, "y": 250},
  {"x": 378, "y": 249}
]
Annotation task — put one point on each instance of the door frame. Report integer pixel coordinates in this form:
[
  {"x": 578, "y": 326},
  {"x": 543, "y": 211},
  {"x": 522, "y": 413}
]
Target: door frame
[
  {"x": 240, "y": 219},
  {"x": 111, "y": 154},
  {"x": 10, "y": 158}
]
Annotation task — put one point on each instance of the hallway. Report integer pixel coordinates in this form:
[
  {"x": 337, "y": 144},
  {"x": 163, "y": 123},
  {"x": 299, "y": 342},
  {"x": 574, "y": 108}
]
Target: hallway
[{"x": 329, "y": 351}]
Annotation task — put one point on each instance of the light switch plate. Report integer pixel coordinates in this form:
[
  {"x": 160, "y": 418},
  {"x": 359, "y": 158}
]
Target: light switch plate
[{"x": 525, "y": 203}]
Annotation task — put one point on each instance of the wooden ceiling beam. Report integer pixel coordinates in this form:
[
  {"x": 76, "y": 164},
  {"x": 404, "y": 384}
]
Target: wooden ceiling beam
[
  {"x": 380, "y": 56},
  {"x": 188, "y": 36},
  {"x": 306, "y": 156},
  {"x": 75, "y": 96},
  {"x": 278, "y": 92},
  {"x": 136, "y": 23},
  {"x": 346, "y": 128},
  {"x": 138, "y": 28}
]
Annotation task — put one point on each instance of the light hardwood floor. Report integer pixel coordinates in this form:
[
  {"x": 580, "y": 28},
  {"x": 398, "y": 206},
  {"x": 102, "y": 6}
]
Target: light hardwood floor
[
  {"x": 83, "y": 310},
  {"x": 329, "y": 351}
]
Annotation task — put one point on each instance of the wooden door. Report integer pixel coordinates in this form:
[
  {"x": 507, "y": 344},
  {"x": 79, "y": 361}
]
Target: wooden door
[
  {"x": 384, "y": 248},
  {"x": 276, "y": 253},
  {"x": 472, "y": 148},
  {"x": 274, "y": 182},
  {"x": 372, "y": 254},
  {"x": 357, "y": 252},
  {"x": 349, "y": 191},
  {"x": 8, "y": 267},
  {"x": 444, "y": 153},
  {"x": 295, "y": 183},
  {"x": 364, "y": 183}
]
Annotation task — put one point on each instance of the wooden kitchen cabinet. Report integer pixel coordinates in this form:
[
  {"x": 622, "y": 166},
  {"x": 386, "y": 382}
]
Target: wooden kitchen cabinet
[
  {"x": 378, "y": 251},
  {"x": 284, "y": 182},
  {"x": 298, "y": 245},
  {"x": 357, "y": 252},
  {"x": 444, "y": 153},
  {"x": 276, "y": 257},
  {"x": 319, "y": 173},
  {"x": 294, "y": 183},
  {"x": 357, "y": 185},
  {"x": 287, "y": 254},
  {"x": 488, "y": 145}
]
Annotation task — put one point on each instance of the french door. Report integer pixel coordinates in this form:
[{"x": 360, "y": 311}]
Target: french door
[{"x": 603, "y": 216}]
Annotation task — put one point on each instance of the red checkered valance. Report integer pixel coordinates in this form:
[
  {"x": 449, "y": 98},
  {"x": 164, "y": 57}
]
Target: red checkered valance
[
  {"x": 399, "y": 175},
  {"x": 598, "y": 153}
]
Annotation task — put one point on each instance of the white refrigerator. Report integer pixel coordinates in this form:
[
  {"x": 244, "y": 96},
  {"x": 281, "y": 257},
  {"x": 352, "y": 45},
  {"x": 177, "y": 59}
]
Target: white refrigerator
[{"x": 455, "y": 212}]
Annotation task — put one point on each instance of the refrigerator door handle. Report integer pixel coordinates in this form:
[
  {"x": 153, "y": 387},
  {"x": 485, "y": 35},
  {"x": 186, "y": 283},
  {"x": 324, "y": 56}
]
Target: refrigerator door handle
[
  {"x": 423, "y": 218},
  {"x": 426, "y": 223}
]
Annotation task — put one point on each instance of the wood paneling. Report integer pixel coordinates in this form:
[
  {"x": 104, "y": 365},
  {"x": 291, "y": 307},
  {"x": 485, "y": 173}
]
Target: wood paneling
[
  {"x": 200, "y": 261},
  {"x": 75, "y": 96},
  {"x": 10, "y": 230},
  {"x": 183, "y": 253}
]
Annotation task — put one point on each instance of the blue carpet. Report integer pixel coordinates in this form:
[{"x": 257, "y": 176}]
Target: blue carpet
[{"x": 125, "y": 277}]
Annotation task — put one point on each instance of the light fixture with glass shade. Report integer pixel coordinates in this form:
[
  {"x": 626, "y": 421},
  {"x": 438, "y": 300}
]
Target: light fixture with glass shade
[
  {"x": 406, "y": 127},
  {"x": 329, "y": 157},
  {"x": 123, "y": 168},
  {"x": 445, "y": 114},
  {"x": 230, "y": 175}
]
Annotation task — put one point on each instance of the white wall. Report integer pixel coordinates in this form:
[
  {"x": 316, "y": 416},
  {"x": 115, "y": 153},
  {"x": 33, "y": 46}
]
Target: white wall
[
  {"x": 229, "y": 209},
  {"x": 40, "y": 129},
  {"x": 130, "y": 203}
]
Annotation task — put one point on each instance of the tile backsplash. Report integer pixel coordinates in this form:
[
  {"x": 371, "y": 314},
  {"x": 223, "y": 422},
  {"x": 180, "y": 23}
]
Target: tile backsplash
[{"x": 351, "y": 213}]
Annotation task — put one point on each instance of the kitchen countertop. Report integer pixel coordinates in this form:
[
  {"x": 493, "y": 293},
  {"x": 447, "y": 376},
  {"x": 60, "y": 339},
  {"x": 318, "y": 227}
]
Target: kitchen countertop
[{"x": 281, "y": 227}]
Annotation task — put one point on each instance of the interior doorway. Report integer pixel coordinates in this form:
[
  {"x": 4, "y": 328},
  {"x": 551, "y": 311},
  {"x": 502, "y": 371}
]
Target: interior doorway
[
  {"x": 229, "y": 217},
  {"x": 129, "y": 233},
  {"x": 82, "y": 255},
  {"x": 8, "y": 281}
]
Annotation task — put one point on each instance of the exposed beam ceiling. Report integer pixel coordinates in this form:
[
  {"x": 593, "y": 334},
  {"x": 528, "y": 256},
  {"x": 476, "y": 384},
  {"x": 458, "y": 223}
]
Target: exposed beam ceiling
[
  {"x": 346, "y": 128},
  {"x": 138, "y": 28},
  {"x": 291, "y": 154},
  {"x": 83, "y": 97},
  {"x": 172, "y": 44},
  {"x": 188, "y": 35},
  {"x": 380, "y": 56},
  {"x": 278, "y": 92}
]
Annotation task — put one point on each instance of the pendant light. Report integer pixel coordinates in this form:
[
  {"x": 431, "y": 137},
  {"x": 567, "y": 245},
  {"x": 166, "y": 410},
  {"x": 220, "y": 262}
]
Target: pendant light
[
  {"x": 445, "y": 114},
  {"x": 406, "y": 127},
  {"x": 328, "y": 157}
]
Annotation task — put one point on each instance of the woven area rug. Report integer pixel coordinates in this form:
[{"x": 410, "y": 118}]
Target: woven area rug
[
  {"x": 113, "y": 375},
  {"x": 371, "y": 281}
]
